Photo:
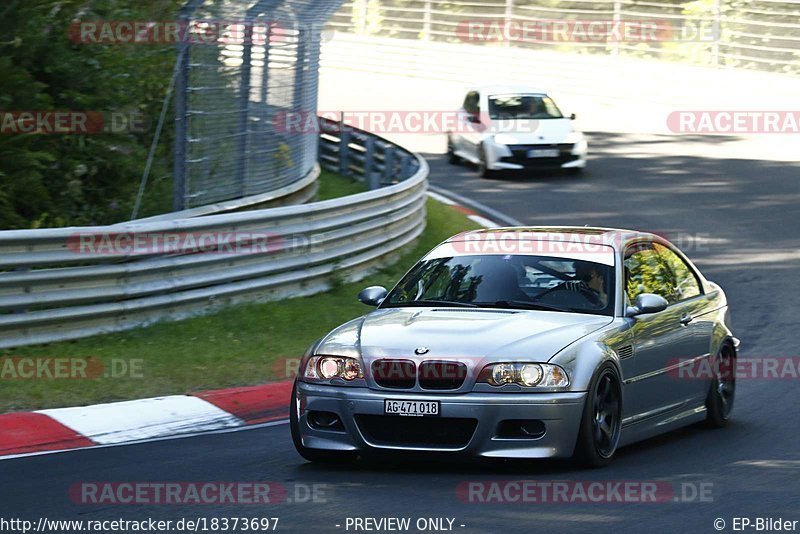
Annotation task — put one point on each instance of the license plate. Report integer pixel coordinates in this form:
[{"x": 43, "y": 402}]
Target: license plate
[
  {"x": 411, "y": 408},
  {"x": 543, "y": 153}
]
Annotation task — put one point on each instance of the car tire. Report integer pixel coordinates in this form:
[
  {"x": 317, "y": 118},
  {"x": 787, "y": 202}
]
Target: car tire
[
  {"x": 722, "y": 389},
  {"x": 596, "y": 447},
  {"x": 312, "y": 455},
  {"x": 452, "y": 158},
  {"x": 483, "y": 169}
]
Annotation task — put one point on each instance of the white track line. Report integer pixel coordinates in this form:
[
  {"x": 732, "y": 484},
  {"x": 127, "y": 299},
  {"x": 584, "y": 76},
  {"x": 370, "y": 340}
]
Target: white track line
[
  {"x": 483, "y": 221},
  {"x": 151, "y": 440},
  {"x": 441, "y": 198}
]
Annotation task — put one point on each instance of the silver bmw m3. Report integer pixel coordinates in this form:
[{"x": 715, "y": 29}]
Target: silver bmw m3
[{"x": 531, "y": 342}]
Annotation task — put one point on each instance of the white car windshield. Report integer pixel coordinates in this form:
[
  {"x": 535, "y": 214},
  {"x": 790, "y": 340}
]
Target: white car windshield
[{"x": 523, "y": 107}]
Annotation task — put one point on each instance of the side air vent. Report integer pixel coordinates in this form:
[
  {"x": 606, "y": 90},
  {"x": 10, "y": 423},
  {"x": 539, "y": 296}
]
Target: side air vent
[{"x": 625, "y": 351}]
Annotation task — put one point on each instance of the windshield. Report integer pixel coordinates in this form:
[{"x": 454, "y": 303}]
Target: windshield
[
  {"x": 523, "y": 107},
  {"x": 510, "y": 281}
]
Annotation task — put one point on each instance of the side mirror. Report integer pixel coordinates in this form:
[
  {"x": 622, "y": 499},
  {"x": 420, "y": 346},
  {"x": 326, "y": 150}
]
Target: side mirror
[
  {"x": 572, "y": 117},
  {"x": 474, "y": 119},
  {"x": 647, "y": 303},
  {"x": 373, "y": 295}
]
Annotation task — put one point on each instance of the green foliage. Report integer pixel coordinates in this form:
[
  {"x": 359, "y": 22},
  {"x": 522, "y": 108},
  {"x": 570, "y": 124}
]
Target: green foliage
[{"x": 58, "y": 180}]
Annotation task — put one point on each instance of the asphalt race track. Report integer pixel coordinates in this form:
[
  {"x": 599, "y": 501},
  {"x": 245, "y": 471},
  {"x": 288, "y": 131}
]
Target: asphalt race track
[{"x": 738, "y": 218}]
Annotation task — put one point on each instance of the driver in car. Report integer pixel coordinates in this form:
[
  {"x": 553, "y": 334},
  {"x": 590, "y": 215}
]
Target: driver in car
[{"x": 589, "y": 282}]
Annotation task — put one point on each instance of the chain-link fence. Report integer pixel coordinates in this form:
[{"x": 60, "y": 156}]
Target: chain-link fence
[
  {"x": 241, "y": 65},
  {"x": 754, "y": 34}
]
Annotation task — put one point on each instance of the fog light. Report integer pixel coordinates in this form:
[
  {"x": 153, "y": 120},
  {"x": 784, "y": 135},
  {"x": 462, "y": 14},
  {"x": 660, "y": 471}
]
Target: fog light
[{"x": 325, "y": 420}]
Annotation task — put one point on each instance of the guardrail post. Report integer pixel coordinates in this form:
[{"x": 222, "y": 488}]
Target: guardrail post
[
  {"x": 344, "y": 149},
  {"x": 388, "y": 162},
  {"x": 369, "y": 162},
  {"x": 405, "y": 166}
]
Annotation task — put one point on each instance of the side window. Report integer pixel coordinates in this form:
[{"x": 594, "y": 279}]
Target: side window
[
  {"x": 647, "y": 272},
  {"x": 472, "y": 103},
  {"x": 685, "y": 283}
]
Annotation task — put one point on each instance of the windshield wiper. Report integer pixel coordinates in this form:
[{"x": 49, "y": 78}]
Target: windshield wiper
[
  {"x": 432, "y": 302},
  {"x": 523, "y": 305}
]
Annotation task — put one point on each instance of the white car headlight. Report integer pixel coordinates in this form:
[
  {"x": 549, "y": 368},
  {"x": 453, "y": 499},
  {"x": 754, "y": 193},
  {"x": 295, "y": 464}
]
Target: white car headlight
[
  {"x": 327, "y": 367},
  {"x": 524, "y": 374}
]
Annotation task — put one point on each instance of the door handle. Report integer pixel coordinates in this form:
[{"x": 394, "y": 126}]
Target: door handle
[{"x": 686, "y": 319}]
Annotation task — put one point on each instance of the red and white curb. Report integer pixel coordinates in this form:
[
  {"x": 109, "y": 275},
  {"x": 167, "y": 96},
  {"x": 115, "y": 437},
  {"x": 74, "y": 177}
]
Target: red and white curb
[
  {"x": 116, "y": 423},
  {"x": 144, "y": 419}
]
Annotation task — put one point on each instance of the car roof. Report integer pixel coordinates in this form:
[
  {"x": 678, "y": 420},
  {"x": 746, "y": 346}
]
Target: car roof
[
  {"x": 613, "y": 237},
  {"x": 496, "y": 89}
]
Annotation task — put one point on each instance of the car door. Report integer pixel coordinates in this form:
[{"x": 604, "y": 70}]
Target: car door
[
  {"x": 688, "y": 298},
  {"x": 659, "y": 339}
]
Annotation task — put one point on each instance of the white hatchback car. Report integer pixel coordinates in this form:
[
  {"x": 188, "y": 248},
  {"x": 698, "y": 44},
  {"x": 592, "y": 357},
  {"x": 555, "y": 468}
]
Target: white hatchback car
[{"x": 515, "y": 128}]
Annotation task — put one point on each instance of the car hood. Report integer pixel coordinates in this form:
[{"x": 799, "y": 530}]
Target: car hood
[
  {"x": 475, "y": 335},
  {"x": 533, "y": 132}
]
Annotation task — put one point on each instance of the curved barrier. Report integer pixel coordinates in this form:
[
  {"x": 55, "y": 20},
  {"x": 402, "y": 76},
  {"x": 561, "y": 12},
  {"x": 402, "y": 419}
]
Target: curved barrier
[{"x": 65, "y": 283}]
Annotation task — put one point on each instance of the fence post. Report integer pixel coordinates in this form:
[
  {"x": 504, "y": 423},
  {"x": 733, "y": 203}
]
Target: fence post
[
  {"x": 426, "y": 21},
  {"x": 244, "y": 105},
  {"x": 617, "y": 17},
  {"x": 509, "y": 18},
  {"x": 181, "y": 118},
  {"x": 299, "y": 70},
  {"x": 717, "y": 33}
]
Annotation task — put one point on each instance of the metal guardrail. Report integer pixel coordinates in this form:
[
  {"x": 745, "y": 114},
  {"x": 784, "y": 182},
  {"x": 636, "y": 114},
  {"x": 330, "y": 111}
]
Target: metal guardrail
[
  {"x": 349, "y": 151},
  {"x": 65, "y": 283}
]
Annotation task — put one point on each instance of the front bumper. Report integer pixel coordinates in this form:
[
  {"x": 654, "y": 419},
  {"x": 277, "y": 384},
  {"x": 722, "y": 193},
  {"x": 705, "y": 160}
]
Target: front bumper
[
  {"x": 515, "y": 157},
  {"x": 560, "y": 412}
]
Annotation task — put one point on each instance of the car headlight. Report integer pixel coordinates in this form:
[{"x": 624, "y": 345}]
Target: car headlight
[
  {"x": 327, "y": 367},
  {"x": 524, "y": 374}
]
